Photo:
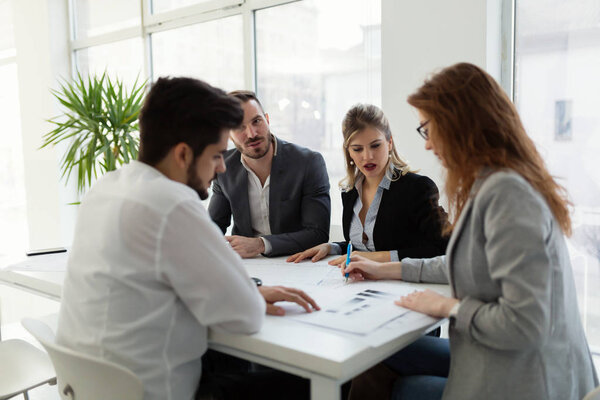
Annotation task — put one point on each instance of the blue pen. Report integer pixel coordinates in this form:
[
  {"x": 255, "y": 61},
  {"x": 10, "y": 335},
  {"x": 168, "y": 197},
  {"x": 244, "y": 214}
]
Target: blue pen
[{"x": 346, "y": 275}]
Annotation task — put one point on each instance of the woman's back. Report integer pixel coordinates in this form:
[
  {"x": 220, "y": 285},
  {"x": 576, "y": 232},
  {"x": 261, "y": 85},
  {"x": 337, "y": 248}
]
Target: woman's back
[{"x": 518, "y": 333}]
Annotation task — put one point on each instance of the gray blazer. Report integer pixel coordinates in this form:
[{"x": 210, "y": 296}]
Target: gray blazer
[
  {"x": 299, "y": 203},
  {"x": 517, "y": 334}
]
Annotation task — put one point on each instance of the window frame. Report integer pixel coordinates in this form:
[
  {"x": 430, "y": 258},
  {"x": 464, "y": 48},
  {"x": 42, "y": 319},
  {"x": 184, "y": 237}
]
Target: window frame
[{"x": 178, "y": 18}]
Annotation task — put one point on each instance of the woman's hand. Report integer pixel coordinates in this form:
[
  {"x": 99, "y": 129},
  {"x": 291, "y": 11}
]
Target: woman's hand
[
  {"x": 314, "y": 253},
  {"x": 361, "y": 268},
  {"x": 380, "y": 256},
  {"x": 428, "y": 302}
]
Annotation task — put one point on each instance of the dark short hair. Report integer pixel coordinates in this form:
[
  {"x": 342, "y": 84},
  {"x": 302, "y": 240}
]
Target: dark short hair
[
  {"x": 246, "y": 95},
  {"x": 184, "y": 110}
]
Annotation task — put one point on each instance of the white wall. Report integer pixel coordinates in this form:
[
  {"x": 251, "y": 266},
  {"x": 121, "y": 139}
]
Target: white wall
[
  {"x": 420, "y": 37},
  {"x": 41, "y": 37}
]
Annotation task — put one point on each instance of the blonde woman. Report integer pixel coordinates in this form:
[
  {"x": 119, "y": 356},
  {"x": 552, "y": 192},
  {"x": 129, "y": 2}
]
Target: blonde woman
[{"x": 389, "y": 212}]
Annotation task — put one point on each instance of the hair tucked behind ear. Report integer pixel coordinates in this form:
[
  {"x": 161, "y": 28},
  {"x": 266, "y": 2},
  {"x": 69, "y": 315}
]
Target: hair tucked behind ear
[
  {"x": 475, "y": 125},
  {"x": 358, "y": 118}
]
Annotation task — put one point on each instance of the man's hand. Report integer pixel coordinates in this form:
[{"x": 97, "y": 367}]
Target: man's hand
[
  {"x": 273, "y": 294},
  {"x": 428, "y": 302},
  {"x": 314, "y": 253},
  {"x": 246, "y": 247},
  {"x": 379, "y": 256}
]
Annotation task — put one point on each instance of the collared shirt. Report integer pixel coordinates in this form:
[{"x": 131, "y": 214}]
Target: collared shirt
[
  {"x": 258, "y": 199},
  {"x": 361, "y": 236},
  {"x": 148, "y": 273}
]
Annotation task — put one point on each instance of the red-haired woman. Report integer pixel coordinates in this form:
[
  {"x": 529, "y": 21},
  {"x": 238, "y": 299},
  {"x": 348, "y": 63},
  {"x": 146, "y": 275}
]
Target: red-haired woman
[{"x": 515, "y": 331}]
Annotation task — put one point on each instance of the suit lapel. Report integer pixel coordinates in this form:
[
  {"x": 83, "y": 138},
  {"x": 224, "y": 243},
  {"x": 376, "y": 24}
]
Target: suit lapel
[
  {"x": 348, "y": 211},
  {"x": 276, "y": 185},
  {"x": 453, "y": 239},
  {"x": 460, "y": 225},
  {"x": 240, "y": 193}
]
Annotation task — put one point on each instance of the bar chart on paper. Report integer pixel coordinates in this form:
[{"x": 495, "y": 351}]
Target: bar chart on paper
[{"x": 359, "y": 308}]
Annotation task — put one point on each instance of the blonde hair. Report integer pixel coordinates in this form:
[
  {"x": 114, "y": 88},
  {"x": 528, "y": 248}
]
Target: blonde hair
[{"x": 357, "y": 119}]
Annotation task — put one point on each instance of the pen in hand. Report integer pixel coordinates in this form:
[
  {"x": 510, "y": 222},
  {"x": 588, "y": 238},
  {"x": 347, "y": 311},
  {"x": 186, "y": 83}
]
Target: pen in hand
[{"x": 347, "y": 274}]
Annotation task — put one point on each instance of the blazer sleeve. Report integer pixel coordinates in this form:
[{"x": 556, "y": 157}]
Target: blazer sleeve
[
  {"x": 426, "y": 270},
  {"x": 518, "y": 229},
  {"x": 219, "y": 208},
  {"x": 315, "y": 212},
  {"x": 429, "y": 218}
]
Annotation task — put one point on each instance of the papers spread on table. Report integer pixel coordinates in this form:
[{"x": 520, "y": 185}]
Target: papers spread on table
[
  {"x": 361, "y": 308},
  {"x": 46, "y": 263},
  {"x": 275, "y": 271}
]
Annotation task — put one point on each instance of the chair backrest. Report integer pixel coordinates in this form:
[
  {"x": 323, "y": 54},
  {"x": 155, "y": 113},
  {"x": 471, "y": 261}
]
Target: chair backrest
[{"x": 82, "y": 377}]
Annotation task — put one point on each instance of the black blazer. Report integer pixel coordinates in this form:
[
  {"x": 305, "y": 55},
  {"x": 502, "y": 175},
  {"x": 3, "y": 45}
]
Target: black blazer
[
  {"x": 409, "y": 219},
  {"x": 299, "y": 203}
]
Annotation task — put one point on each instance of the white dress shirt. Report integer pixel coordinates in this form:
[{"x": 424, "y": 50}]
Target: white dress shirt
[
  {"x": 258, "y": 199},
  {"x": 148, "y": 272}
]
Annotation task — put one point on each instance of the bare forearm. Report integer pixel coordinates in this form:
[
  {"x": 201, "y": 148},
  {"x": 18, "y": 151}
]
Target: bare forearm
[{"x": 391, "y": 270}]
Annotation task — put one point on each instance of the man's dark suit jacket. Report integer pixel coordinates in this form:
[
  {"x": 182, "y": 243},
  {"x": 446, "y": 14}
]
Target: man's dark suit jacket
[
  {"x": 409, "y": 218},
  {"x": 299, "y": 203}
]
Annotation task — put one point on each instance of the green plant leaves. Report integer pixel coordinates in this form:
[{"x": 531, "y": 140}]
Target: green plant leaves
[{"x": 100, "y": 121}]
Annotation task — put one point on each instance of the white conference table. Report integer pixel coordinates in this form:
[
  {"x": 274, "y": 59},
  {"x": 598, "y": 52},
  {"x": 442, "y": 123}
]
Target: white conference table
[{"x": 327, "y": 357}]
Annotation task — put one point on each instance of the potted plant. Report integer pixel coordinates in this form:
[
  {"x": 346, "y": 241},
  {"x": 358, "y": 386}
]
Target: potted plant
[{"x": 100, "y": 120}]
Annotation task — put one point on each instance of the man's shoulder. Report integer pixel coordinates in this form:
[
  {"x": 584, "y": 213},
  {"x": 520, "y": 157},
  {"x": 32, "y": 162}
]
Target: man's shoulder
[
  {"x": 140, "y": 184},
  {"x": 291, "y": 150},
  {"x": 232, "y": 156}
]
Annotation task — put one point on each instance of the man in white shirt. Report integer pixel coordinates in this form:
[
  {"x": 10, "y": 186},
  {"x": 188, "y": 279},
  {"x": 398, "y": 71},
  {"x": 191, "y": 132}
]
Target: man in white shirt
[
  {"x": 277, "y": 192},
  {"x": 149, "y": 271}
]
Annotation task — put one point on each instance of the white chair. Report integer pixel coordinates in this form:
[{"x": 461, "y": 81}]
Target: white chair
[
  {"x": 22, "y": 367},
  {"x": 593, "y": 395},
  {"x": 82, "y": 377}
]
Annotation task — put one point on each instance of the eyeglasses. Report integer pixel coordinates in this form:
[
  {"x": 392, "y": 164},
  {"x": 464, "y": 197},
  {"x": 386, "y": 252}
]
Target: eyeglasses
[{"x": 424, "y": 132}]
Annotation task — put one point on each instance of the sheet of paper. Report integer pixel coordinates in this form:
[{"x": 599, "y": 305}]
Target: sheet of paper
[
  {"x": 365, "y": 309},
  {"x": 278, "y": 272},
  {"x": 45, "y": 263},
  {"x": 358, "y": 308}
]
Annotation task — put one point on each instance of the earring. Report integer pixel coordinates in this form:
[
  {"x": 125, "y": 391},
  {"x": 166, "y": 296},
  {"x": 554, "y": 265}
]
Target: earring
[
  {"x": 390, "y": 155},
  {"x": 351, "y": 162}
]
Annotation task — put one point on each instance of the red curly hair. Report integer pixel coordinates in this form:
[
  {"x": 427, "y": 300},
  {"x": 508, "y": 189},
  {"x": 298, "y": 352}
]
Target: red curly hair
[{"x": 474, "y": 125}]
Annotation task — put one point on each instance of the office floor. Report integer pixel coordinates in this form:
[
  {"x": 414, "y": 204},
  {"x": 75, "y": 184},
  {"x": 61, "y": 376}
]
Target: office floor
[{"x": 17, "y": 304}]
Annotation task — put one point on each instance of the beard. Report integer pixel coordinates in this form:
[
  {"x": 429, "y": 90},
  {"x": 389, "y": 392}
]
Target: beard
[
  {"x": 196, "y": 183},
  {"x": 251, "y": 153}
]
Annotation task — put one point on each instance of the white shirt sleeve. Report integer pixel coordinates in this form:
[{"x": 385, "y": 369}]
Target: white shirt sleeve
[
  {"x": 268, "y": 247},
  {"x": 207, "y": 274}
]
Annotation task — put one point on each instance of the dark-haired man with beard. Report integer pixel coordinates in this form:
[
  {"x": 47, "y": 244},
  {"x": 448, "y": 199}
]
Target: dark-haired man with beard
[
  {"x": 149, "y": 271},
  {"x": 277, "y": 192}
]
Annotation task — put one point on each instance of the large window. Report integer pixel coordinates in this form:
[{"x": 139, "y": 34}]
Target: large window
[
  {"x": 97, "y": 17},
  {"x": 124, "y": 58},
  {"x": 315, "y": 59},
  {"x": 212, "y": 51},
  {"x": 13, "y": 231},
  {"x": 309, "y": 60},
  {"x": 557, "y": 60}
]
